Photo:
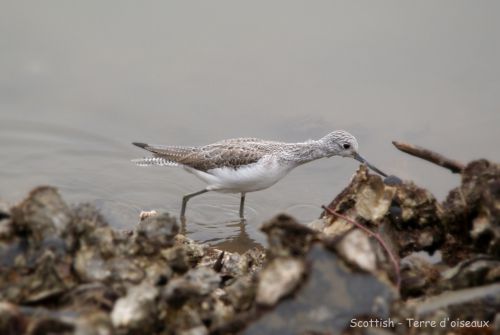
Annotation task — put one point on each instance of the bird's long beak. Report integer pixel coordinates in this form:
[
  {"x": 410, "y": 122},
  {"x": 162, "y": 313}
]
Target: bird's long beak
[{"x": 357, "y": 157}]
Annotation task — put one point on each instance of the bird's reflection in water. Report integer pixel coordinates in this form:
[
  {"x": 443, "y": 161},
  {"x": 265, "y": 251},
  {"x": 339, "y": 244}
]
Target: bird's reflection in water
[{"x": 239, "y": 243}]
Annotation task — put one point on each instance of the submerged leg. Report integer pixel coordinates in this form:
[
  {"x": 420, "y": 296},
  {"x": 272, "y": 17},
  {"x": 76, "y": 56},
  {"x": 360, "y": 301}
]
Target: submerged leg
[
  {"x": 242, "y": 204},
  {"x": 186, "y": 198}
]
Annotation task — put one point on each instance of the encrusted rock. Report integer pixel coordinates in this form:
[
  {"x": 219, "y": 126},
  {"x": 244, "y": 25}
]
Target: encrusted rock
[
  {"x": 198, "y": 330},
  {"x": 90, "y": 266},
  {"x": 177, "y": 258},
  {"x": 41, "y": 215},
  {"x": 12, "y": 321},
  {"x": 94, "y": 323},
  {"x": 478, "y": 303},
  {"x": 418, "y": 276},
  {"x": 154, "y": 233},
  {"x": 194, "y": 251},
  {"x": 411, "y": 214},
  {"x": 356, "y": 248},
  {"x": 91, "y": 296},
  {"x": 50, "y": 279},
  {"x": 472, "y": 212},
  {"x": 36, "y": 276},
  {"x": 136, "y": 311},
  {"x": 255, "y": 259},
  {"x": 50, "y": 325},
  {"x": 287, "y": 237},
  {"x": 415, "y": 215},
  {"x": 213, "y": 308},
  {"x": 418, "y": 206},
  {"x": 90, "y": 230},
  {"x": 241, "y": 293},
  {"x": 231, "y": 266},
  {"x": 477, "y": 271},
  {"x": 373, "y": 199},
  {"x": 194, "y": 284},
  {"x": 65, "y": 271},
  {"x": 280, "y": 277},
  {"x": 328, "y": 299}
]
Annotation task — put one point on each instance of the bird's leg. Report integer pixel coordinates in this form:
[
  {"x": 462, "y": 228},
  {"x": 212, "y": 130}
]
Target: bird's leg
[
  {"x": 183, "y": 230},
  {"x": 242, "y": 205},
  {"x": 186, "y": 198}
]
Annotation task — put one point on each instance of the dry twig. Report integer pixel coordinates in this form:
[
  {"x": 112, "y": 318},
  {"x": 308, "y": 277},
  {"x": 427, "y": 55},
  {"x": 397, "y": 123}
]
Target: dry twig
[{"x": 431, "y": 156}]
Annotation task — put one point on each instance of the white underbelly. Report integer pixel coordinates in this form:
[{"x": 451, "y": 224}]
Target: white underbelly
[{"x": 255, "y": 177}]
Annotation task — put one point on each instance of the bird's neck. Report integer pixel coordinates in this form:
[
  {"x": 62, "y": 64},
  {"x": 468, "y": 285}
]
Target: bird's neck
[{"x": 301, "y": 153}]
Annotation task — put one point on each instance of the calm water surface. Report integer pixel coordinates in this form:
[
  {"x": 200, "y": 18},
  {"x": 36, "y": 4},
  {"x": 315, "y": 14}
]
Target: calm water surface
[{"x": 80, "y": 82}]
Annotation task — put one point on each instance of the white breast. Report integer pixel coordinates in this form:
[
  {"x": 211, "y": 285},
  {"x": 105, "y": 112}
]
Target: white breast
[{"x": 257, "y": 176}]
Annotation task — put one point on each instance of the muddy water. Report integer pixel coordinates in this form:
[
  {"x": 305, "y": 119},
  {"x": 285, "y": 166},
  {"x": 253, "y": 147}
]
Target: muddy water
[{"x": 79, "y": 82}]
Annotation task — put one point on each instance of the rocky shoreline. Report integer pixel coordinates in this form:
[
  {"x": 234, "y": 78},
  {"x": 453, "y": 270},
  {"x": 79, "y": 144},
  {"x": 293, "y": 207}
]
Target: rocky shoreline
[{"x": 64, "y": 270}]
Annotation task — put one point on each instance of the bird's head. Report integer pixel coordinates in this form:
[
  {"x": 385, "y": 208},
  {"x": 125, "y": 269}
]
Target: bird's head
[{"x": 342, "y": 143}]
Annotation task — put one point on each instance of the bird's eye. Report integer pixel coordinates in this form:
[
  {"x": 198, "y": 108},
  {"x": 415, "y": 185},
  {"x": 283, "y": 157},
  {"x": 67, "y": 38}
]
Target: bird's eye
[{"x": 346, "y": 146}]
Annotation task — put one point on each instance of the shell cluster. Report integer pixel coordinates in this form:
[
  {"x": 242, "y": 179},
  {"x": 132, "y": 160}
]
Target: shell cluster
[{"x": 64, "y": 270}]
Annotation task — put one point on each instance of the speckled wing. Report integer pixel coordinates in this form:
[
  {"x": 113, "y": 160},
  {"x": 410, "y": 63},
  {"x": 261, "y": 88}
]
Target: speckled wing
[
  {"x": 231, "y": 153},
  {"x": 228, "y": 153}
]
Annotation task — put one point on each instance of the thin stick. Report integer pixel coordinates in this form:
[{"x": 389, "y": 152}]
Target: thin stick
[
  {"x": 431, "y": 156},
  {"x": 376, "y": 236}
]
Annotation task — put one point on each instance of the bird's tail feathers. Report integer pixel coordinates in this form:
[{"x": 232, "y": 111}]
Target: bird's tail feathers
[{"x": 153, "y": 161}]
